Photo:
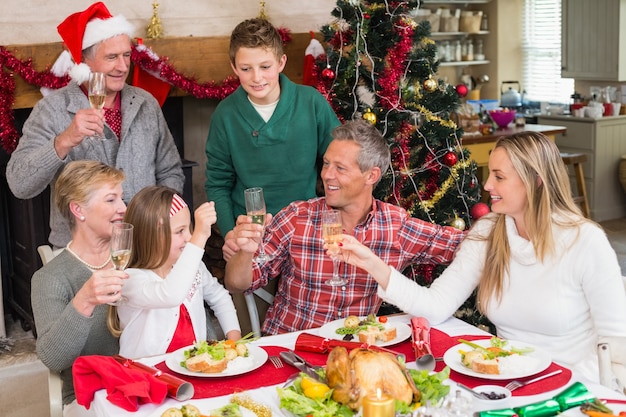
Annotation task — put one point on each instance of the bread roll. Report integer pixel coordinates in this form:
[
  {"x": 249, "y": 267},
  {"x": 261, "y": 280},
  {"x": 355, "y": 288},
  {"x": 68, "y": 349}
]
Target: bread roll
[
  {"x": 485, "y": 366},
  {"x": 373, "y": 334},
  {"x": 206, "y": 364}
]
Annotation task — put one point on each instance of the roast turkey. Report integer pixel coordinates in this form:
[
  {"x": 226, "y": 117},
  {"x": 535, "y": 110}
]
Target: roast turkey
[{"x": 362, "y": 372}]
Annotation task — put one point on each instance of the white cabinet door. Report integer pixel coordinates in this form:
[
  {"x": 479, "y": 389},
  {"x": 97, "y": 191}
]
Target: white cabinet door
[{"x": 592, "y": 43}]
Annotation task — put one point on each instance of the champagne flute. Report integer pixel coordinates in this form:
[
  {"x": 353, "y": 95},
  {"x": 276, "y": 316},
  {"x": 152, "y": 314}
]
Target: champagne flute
[
  {"x": 331, "y": 233},
  {"x": 255, "y": 208},
  {"x": 121, "y": 247},
  {"x": 97, "y": 92}
]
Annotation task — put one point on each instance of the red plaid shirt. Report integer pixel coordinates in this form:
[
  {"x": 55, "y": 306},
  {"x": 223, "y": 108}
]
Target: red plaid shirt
[{"x": 303, "y": 299}]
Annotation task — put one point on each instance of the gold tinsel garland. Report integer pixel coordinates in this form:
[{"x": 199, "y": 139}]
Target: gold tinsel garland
[{"x": 428, "y": 205}]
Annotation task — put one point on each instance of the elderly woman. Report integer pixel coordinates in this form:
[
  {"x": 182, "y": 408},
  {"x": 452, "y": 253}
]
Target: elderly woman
[{"x": 70, "y": 293}]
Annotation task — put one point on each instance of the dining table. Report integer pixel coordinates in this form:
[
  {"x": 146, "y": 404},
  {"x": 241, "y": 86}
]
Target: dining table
[{"x": 260, "y": 385}]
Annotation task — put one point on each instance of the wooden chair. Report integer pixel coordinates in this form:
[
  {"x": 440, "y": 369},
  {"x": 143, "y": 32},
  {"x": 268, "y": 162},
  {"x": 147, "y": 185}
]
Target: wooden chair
[
  {"x": 46, "y": 253},
  {"x": 576, "y": 160}
]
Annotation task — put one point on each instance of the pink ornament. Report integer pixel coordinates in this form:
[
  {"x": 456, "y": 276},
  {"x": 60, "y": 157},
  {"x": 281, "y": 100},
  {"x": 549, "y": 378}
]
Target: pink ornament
[
  {"x": 461, "y": 90},
  {"x": 479, "y": 210}
]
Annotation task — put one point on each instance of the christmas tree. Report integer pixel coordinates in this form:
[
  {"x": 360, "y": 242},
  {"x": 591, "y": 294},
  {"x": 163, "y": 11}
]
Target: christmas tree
[{"x": 381, "y": 66}]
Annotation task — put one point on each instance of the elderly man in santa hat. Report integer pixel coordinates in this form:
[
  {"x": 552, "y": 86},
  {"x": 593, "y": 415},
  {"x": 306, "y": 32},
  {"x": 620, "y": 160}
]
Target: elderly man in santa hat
[{"x": 130, "y": 133}]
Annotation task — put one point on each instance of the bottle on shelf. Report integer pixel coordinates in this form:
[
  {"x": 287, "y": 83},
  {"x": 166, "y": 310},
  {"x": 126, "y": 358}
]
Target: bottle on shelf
[
  {"x": 484, "y": 23},
  {"x": 478, "y": 51},
  {"x": 458, "y": 53}
]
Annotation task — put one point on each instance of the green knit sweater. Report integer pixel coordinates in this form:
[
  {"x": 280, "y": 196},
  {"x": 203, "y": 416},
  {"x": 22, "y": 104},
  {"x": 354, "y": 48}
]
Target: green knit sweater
[{"x": 281, "y": 155}]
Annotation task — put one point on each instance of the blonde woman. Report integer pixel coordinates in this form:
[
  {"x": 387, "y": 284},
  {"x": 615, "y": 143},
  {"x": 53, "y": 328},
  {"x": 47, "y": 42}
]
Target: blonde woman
[
  {"x": 545, "y": 274},
  {"x": 70, "y": 293}
]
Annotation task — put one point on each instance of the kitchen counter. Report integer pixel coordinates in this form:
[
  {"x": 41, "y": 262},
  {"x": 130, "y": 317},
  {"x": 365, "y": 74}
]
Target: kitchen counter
[
  {"x": 548, "y": 130},
  {"x": 480, "y": 146}
]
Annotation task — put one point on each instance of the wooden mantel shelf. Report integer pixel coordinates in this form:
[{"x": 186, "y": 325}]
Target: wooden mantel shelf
[{"x": 203, "y": 58}]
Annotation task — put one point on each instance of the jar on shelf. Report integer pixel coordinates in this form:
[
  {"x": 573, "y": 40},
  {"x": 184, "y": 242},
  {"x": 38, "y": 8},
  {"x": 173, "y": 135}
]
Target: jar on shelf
[
  {"x": 479, "y": 55},
  {"x": 445, "y": 54},
  {"x": 458, "y": 53},
  {"x": 468, "y": 50}
]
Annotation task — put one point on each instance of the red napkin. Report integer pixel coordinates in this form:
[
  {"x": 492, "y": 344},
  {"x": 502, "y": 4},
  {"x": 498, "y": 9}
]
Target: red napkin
[
  {"x": 127, "y": 388},
  {"x": 441, "y": 342},
  {"x": 263, "y": 376}
]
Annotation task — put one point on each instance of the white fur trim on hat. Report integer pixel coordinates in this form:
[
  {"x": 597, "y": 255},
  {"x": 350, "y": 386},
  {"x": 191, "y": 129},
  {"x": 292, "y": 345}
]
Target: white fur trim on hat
[
  {"x": 80, "y": 73},
  {"x": 98, "y": 30}
]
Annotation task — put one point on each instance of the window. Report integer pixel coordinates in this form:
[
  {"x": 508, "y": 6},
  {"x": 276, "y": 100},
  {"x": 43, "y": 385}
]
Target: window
[{"x": 541, "y": 46}]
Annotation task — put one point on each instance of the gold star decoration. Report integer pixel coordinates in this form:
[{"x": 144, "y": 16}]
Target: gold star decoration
[{"x": 262, "y": 14}]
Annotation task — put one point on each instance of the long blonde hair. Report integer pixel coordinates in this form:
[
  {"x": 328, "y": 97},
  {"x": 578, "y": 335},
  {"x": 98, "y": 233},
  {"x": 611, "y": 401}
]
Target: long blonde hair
[
  {"x": 538, "y": 162},
  {"x": 148, "y": 212}
]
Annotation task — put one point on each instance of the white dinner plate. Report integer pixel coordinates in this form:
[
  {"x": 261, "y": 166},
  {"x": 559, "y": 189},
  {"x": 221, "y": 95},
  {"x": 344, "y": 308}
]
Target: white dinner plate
[
  {"x": 452, "y": 358},
  {"x": 403, "y": 332},
  {"x": 257, "y": 354}
]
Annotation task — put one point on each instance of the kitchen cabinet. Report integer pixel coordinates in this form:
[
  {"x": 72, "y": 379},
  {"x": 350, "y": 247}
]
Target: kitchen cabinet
[
  {"x": 604, "y": 142},
  {"x": 593, "y": 34}
]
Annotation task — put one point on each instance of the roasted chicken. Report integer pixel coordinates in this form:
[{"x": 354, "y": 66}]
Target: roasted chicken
[{"x": 361, "y": 372}]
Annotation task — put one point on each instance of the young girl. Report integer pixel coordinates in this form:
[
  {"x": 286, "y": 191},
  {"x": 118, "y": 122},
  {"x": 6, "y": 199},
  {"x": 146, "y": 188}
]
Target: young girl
[{"x": 168, "y": 282}]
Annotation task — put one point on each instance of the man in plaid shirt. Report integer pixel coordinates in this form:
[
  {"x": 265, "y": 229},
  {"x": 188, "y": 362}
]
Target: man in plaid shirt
[{"x": 353, "y": 164}]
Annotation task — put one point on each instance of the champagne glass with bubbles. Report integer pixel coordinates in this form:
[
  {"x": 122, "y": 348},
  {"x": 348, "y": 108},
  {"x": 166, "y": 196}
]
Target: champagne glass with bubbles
[
  {"x": 332, "y": 230},
  {"x": 97, "y": 92},
  {"x": 255, "y": 208},
  {"x": 121, "y": 247}
]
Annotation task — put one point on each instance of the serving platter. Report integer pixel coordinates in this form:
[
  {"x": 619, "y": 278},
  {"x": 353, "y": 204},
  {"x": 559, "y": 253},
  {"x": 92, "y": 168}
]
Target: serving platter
[
  {"x": 403, "y": 332},
  {"x": 257, "y": 355},
  {"x": 542, "y": 361}
]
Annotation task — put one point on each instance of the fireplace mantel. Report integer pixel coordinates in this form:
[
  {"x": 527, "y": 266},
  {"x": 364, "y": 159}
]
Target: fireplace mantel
[{"x": 203, "y": 58}]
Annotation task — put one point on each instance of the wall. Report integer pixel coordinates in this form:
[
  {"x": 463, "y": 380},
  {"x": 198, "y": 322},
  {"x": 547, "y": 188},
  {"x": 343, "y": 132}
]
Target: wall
[{"x": 35, "y": 21}]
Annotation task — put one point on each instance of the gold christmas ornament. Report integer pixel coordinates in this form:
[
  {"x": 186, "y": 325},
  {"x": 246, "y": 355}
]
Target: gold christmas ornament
[
  {"x": 430, "y": 84},
  {"x": 154, "y": 29},
  {"x": 458, "y": 223},
  {"x": 370, "y": 116}
]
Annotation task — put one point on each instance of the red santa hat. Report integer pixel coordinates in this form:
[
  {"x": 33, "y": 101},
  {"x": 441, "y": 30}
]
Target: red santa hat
[{"x": 84, "y": 29}]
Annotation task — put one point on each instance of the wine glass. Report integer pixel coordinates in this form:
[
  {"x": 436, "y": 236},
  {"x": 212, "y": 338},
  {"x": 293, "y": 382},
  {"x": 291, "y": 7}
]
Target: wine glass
[
  {"x": 97, "y": 92},
  {"x": 331, "y": 233},
  {"x": 121, "y": 246},
  {"x": 255, "y": 208}
]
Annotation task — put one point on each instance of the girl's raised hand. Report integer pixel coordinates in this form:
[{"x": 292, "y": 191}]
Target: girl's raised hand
[{"x": 205, "y": 216}]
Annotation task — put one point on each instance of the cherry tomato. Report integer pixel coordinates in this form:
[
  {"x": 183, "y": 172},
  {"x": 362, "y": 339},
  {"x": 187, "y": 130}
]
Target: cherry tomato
[
  {"x": 622, "y": 414},
  {"x": 382, "y": 319}
]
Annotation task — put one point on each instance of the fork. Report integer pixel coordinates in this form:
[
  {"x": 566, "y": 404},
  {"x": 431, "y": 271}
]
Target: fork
[
  {"x": 276, "y": 361},
  {"x": 513, "y": 385}
]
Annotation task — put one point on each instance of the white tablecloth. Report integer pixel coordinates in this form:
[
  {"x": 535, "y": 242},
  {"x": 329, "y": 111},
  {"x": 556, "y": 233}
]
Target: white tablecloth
[{"x": 268, "y": 395}]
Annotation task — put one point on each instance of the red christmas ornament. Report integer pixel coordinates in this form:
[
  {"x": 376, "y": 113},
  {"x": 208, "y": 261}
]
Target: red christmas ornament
[
  {"x": 450, "y": 159},
  {"x": 461, "y": 90},
  {"x": 328, "y": 74},
  {"x": 479, "y": 210}
]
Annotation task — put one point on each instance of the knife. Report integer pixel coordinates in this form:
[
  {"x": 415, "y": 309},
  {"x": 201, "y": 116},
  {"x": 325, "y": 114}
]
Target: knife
[{"x": 301, "y": 364}]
